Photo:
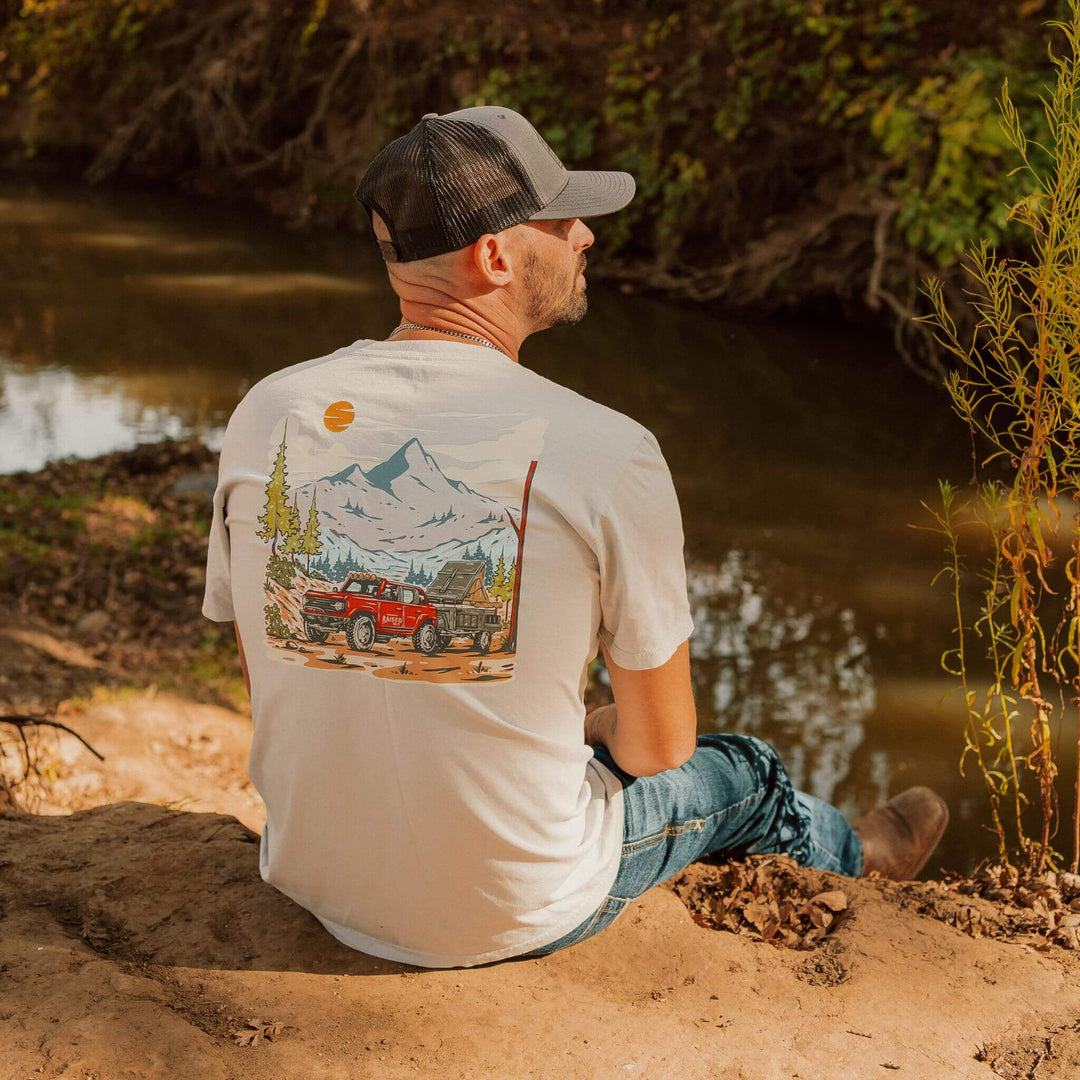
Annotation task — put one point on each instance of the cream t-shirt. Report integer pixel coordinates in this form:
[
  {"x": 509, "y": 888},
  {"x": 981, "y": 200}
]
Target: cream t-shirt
[{"x": 421, "y": 543}]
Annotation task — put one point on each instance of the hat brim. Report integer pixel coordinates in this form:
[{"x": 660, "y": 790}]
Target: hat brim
[{"x": 589, "y": 194}]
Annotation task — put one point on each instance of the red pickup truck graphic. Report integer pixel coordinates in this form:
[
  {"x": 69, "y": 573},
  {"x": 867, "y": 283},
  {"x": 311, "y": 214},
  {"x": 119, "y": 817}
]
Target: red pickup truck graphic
[{"x": 368, "y": 608}]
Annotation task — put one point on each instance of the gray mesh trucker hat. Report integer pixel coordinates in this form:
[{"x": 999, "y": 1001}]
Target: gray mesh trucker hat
[{"x": 455, "y": 177}]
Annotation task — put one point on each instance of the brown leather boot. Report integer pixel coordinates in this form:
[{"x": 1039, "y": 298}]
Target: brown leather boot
[{"x": 900, "y": 836}]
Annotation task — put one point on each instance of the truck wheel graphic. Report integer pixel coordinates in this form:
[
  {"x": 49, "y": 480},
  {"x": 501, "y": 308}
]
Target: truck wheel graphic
[
  {"x": 482, "y": 641},
  {"x": 360, "y": 633},
  {"x": 314, "y": 634},
  {"x": 426, "y": 640}
]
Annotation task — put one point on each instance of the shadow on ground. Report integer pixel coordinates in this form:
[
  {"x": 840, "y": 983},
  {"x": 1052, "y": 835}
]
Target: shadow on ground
[{"x": 192, "y": 898}]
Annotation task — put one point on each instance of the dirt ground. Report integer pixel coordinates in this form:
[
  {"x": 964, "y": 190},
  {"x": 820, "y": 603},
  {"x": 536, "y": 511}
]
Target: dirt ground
[
  {"x": 398, "y": 660},
  {"x": 138, "y": 940}
]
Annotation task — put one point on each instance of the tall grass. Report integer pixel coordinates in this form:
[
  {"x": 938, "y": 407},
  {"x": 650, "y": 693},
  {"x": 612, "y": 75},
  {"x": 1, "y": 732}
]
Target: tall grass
[{"x": 1017, "y": 387}]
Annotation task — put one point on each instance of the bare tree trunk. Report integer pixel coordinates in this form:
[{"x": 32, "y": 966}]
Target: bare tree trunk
[{"x": 512, "y": 636}]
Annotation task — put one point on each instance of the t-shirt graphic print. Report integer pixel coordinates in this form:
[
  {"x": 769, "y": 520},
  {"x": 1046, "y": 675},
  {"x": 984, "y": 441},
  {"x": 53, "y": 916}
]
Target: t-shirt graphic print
[{"x": 395, "y": 558}]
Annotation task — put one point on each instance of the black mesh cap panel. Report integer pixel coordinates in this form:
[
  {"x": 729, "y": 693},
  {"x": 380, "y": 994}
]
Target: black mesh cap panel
[{"x": 442, "y": 186}]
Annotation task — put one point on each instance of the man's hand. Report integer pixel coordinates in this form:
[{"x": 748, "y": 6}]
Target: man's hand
[{"x": 600, "y": 725}]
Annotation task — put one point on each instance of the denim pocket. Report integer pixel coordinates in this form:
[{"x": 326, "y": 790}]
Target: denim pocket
[
  {"x": 603, "y": 917},
  {"x": 668, "y": 832},
  {"x": 608, "y": 911}
]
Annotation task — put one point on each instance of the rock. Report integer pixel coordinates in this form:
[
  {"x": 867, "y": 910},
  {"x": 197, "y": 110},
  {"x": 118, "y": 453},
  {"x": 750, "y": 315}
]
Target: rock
[
  {"x": 93, "y": 624},
  {"x": 203, "y": 482}
]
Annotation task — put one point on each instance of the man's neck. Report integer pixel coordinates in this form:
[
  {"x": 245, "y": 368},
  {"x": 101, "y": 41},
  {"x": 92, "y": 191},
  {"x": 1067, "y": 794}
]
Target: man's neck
[{"x": 439, "y": 321}]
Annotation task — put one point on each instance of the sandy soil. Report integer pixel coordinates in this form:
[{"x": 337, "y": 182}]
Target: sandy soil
[
  {"x": 137, "y": 940},
  {"x": 158, "y": 748},
  {"x": 399, "y": 660}
]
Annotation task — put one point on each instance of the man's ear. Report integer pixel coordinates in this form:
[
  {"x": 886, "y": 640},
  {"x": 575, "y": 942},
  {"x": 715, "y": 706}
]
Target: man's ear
[
  {"x": 492, "y": 259},
  {"x": 378, "y": 227}
]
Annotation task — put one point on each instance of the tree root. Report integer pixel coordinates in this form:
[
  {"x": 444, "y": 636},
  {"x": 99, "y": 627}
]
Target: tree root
[{"x": 21, "y": 721}]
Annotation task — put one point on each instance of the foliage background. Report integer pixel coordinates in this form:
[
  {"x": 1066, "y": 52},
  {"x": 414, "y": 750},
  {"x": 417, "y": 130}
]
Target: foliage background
[{"x": 785, "y": 150}]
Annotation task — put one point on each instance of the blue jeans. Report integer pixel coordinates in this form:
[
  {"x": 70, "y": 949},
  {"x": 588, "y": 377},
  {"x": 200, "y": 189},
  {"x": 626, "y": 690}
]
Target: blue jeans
[{"x": 733, "y": 797}]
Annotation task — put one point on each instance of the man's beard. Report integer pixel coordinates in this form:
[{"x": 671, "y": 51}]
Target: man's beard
[{"x": 550, "y": 301}]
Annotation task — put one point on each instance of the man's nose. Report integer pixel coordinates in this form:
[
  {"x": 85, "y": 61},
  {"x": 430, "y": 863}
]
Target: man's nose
[{"x": 584, "y": 236}]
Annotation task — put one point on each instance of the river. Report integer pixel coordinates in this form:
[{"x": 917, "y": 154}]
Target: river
[{"x": 800, "y": 449}]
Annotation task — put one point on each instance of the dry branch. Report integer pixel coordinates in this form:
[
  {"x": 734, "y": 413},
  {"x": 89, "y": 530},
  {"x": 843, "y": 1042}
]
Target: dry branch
[{"x": 20, "y": 721}]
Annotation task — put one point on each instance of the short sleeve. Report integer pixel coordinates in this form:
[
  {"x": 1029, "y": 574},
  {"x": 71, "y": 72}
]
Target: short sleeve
[
  {"x": 645, "y": 611},
  {"x": 217, "y": 600}
]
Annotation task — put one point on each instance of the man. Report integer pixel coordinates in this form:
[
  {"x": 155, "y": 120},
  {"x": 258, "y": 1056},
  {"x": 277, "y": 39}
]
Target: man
[{"x": 423, "y": 543}]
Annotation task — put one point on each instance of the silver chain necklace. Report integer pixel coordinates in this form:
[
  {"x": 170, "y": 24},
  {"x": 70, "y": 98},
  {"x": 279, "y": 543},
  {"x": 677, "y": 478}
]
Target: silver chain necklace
[{"x": 452, "y": 333}]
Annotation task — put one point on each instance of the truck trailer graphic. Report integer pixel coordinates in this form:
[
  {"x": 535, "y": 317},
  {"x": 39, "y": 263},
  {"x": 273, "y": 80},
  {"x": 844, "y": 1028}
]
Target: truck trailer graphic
[
  {"x": 463, "y": 606},
  {"x": 369, "y": 609},
  {"x": 396, "y": 567}
]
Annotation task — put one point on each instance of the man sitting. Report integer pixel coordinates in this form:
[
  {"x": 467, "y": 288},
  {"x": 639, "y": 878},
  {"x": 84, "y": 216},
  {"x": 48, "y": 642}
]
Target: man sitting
[{"x": 435, "y": 793}]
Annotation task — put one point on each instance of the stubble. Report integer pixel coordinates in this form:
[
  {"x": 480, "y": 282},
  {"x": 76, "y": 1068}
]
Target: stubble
[{"x": 552, "y": 301}]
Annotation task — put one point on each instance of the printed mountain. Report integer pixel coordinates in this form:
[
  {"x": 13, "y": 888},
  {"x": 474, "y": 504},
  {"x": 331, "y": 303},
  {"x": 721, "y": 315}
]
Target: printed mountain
[{"x": 405, "y": 511}]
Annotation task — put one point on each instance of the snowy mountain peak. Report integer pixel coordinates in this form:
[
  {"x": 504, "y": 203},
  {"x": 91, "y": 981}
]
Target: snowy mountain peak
[
  {"x": 347, "y": 475},
  {"x": 411, "y": 458}
]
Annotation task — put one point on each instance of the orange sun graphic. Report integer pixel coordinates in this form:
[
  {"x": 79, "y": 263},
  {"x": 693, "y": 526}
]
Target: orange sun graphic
[{"x": 338, "y": 416}]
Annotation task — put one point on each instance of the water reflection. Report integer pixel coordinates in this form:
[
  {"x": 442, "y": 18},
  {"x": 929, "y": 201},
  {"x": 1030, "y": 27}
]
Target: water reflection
[
  {"x": 53, "y": 413},
  {"x": 782, "y": 661},
  {"x": 231, "y": 287},
  {"x": 156, "y": 242},
  {"x": 156, "y": 314}
]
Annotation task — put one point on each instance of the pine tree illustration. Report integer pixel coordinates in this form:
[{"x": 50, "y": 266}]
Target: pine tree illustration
[
  {"x": 291, "y": 537},
  {"x": 311, "y": 544},
  {"x": 276, "y": 512}
]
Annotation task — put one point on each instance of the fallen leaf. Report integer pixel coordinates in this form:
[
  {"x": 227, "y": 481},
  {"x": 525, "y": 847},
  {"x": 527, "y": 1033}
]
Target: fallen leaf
[
  {"x": 835, "y": 900},
  {"x": 768, "y": 931},
  {"x": 757, "y": 914}
]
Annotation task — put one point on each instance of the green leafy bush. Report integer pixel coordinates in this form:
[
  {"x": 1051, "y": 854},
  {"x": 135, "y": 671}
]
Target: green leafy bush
[
  {"x": 275, "y": 624},
  {"x": 279, "y": 570}
]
